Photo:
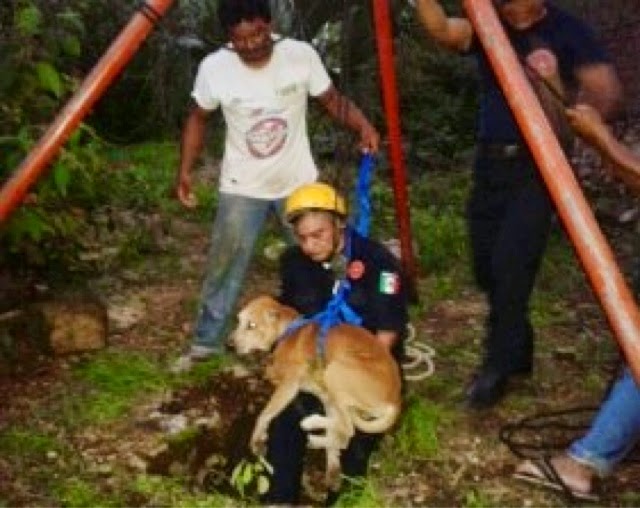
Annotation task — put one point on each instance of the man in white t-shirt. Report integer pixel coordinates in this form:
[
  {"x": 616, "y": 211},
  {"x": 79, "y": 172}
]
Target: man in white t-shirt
[{"x": 261, "y": 83}]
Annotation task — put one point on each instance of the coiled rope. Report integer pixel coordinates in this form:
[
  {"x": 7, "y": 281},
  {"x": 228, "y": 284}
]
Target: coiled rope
[{"x": 419, "y": 357}]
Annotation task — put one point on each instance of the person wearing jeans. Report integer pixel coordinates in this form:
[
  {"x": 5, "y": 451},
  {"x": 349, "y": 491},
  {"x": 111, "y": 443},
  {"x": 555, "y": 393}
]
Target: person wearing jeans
[
  {"x": 614, "y": 431},
  {"x": 237, "y": 225},
  {"x": 261, "y": 82}
]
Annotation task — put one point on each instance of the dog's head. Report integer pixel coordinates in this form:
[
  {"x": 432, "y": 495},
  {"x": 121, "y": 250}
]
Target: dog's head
[{"x": 260, "y": 324}]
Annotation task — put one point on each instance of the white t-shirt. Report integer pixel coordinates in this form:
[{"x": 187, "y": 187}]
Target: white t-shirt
[{"x": 267, "y": 153}]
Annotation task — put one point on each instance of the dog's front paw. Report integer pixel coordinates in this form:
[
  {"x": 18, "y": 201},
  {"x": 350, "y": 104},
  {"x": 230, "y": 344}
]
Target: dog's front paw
[
  {"x": 333, "y": 478},
  {"x": 258, "y": 443}
]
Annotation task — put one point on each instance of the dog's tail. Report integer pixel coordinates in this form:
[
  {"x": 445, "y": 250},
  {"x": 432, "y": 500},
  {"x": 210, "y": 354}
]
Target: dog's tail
[{"x": 383, "y": 419}]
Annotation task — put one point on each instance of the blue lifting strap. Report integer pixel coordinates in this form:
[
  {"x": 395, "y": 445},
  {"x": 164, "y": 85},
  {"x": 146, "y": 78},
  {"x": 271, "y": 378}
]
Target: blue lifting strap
[
  {"x": 338, "y": 310},
  {"x": 363, "y": 211}
]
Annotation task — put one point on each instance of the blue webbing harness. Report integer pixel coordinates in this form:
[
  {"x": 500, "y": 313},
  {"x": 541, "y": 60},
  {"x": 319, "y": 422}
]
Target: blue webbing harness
[{"x": 338, "y": 310}]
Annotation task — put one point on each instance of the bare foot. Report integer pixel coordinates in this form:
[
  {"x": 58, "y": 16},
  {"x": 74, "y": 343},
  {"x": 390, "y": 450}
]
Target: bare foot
[{"x": 578, "y": 477}]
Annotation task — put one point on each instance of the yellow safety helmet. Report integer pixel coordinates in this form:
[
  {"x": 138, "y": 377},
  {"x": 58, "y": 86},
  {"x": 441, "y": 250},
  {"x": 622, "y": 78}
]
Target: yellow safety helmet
[{"x": 314, "y": 196}]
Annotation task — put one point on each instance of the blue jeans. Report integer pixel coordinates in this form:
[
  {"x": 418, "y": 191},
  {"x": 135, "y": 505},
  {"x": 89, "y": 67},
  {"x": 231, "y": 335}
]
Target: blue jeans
[
  {"x": 615, "y": 429},
  {"x": 237, "y": 225}
]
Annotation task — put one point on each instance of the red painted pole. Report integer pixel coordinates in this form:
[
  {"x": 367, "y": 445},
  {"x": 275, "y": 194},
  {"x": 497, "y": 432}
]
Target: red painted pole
[
  {"x": 384, "y": 40},
  {"x": 97, "y": 81},
  {"x": 591, "y": 246}
]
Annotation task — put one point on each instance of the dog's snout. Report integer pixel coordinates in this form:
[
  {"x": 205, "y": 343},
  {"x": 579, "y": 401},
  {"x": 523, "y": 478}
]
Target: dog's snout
[{"x": 230, "y": 342}]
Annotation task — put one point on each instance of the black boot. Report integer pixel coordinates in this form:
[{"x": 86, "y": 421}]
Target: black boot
[{"x": 486, "y": 390}]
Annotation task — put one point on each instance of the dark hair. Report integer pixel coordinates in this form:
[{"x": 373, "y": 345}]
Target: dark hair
[
  {"x": 234, "y": 12},
  {"x": 332, "y": 214}
]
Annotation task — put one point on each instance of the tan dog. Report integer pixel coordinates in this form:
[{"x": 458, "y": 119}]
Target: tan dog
[{"x": 357, "y": 380}]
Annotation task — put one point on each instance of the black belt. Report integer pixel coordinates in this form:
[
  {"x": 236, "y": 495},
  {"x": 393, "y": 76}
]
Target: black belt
[{"x": 502, "y": 150}]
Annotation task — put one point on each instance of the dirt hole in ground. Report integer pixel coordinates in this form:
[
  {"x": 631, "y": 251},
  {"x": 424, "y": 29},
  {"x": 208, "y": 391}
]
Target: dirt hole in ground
[{"x": 206, "y": 435}]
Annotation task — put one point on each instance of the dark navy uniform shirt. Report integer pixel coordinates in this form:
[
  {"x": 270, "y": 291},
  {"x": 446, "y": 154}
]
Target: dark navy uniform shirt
[
  {"x": 568, "y": 38},
  {"x": 377, "y": 295}
]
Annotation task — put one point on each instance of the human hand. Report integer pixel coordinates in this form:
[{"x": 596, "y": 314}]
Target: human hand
[
  {"x": 369, "y": 140},
  {"x": 184, "y": 193},
  {"x": 587, "y": 122}
]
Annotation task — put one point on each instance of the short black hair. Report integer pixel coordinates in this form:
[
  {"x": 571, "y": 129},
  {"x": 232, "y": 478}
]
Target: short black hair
[
  {"x": 295, "y": 217},
  {"x": 234, "y": 12}
]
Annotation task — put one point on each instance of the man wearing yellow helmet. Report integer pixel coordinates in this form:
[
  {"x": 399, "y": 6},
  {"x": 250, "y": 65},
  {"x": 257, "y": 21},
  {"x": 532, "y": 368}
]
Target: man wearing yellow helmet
[
  {"x": 329, "y": 250},
  {"x": 318, "y": 213}
]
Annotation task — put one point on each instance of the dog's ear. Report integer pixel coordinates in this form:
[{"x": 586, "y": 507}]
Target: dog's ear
[
  {"x": 273, "y": 310},
  {"x": 274, "y": 315}
]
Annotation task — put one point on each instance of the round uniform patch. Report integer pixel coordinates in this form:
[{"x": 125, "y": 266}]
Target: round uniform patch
[
  {"x": 355, "y": 270},
  {"x": 543, "y": 62}
]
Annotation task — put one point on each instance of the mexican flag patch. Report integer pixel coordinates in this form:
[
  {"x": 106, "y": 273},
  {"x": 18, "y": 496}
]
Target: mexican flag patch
[{"x": 389, "y": 283}]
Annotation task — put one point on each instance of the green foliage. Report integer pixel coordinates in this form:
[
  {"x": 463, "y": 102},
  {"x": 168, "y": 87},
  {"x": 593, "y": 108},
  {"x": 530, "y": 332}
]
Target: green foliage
[
  {"x": 28, "y": 20},
  {"x": 443, "y": 286},
  {"x": 161, "y": 491},
  {"x": 440, "y": 230},
  {"x": 418, "y": 432},
  {"x": 359, "y": 493},
  {"x": 21, "y": 443},
  {"x": 77, "y": 493},
  {"x": 559, "y": 275},
  {"x": 47, "y": 229},
  {"x": 33, "y": 52},
  {"x": 94, "y": 192},
  {"x": 35, "y": 49},
  {"x": 120, "y": 373},
  {"x": 140, "y": 177},
  {"x": 441, "y": 238},
  {"x": 476, "y": 499},
  {"x": 560, "y": 269},
  {"x": 49, "y": 78},
  {"x": 201, "y": 372},
  {"x": 438, "y": 99},
  {"x": 183, "y": 440},
  {"x": 251, "y": 478},
  {"x": 149, "y": 100},
  {"x": 113, "y": 381},
  {"x": 41, "y": 46}
]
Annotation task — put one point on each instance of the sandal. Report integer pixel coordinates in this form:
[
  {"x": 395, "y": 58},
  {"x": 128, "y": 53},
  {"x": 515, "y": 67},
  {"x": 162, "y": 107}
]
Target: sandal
[{"x": 541, "y": 472}]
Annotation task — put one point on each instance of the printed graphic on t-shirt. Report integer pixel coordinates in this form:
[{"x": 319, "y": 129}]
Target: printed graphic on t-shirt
[
  {"x": 267, "y": 137},
  {"x": 288, "y": 90}
]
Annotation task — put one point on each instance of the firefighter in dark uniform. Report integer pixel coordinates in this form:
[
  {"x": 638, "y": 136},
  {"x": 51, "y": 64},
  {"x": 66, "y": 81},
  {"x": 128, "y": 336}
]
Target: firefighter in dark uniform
[{"x": 327, "y": 251}]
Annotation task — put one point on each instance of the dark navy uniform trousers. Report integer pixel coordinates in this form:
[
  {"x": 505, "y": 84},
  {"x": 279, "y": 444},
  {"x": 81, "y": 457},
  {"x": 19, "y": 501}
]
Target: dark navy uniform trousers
[{"x": 509, "y": 217}]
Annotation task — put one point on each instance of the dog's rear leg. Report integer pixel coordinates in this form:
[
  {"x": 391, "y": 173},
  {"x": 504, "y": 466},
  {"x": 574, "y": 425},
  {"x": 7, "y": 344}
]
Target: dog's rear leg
[
  {"x": 339, "y": 433},
  {"x": 284, "y": 394}
]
